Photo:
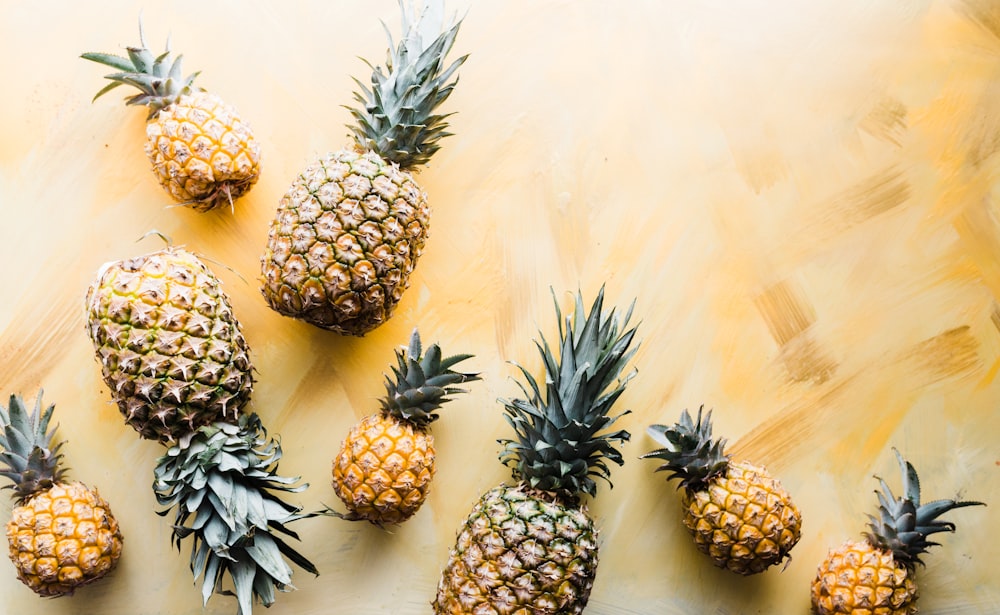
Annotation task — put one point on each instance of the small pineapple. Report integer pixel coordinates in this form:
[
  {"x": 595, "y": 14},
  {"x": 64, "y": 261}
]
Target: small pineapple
[
  {"x": 739, "y": 515},
  {"x": 172, "y": 353},
  {"x": 349, "y": 230},
  {"x": 203, "y": 153},
  {"x": 62, "y": 534},
  {"x": 531, "y": 547},
  {"x": 170, "y": 349},
  {"x": 385, "y": 466},
  {"x": 875, "y": 576}
]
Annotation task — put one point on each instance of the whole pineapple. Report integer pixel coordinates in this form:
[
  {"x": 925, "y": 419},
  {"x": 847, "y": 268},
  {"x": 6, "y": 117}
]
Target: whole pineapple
[
  {"x": 349, "y": 230},
  {"x": 62, "y": 534},
  {"x": 531, "y": 547},
  {"x": 875, "y": 576},
  {"x": 384, "y": 468},
  {"x": 739, "y": 515},
  {"x": 170, "y": 349},
  {"x": 172, "y": 353},
  {"x": 203, "y": 153}
]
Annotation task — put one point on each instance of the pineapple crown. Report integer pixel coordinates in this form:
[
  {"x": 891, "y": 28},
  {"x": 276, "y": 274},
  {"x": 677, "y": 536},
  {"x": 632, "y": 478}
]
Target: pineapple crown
[
  {"x": 903, "y": 524},
  {"x": 689, "y": 451},
  {"x": 158, "y": 78},
  {"x": 559, "y": 447},
  {"x": 27, "y": 456},
  {"x": 225, "y": 475},
  {"x": 396, "y": 116},
  {"x": 422, "y": 382}
]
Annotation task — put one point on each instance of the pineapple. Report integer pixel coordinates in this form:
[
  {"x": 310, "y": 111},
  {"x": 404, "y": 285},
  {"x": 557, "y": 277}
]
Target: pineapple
[
  {"x": 172, "y": 353},
  {"x": 170, "y": 349},
  {"x": 62, "y": 534},
  {"x": 203, "y": 153},
  {"x": 384, "y": 468},
  {"x": 875, "y": 576},
  {"x": 349, "y": 230},
  {"x": 739, "y": 515},
  {"x": 531, "y": 547}
]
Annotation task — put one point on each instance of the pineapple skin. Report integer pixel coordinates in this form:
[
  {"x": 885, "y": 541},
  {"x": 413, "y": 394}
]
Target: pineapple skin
[
  {"x": 344, "y": 241},
  {"x": 170, "y": 349},
  {"x": 520, "y": 552},
  {"x": 384, "y": 469},
  {"x": 860, "y": 579},
  {"x": 744, "y": 520},
  {"x": 203, "y": 153},
  {"x": 63, "y": 538}
]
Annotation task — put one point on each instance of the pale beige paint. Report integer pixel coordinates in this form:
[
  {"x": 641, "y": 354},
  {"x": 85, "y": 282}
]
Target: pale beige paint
[{"x": 799, "y": 195}]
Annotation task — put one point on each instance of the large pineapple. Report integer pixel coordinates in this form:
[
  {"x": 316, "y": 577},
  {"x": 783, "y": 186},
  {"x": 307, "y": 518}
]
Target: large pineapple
[
  {"x": 202, "y": 151},
  {"x": 875, "y": 576},
  {"x": 170, "y": 349},
  {"x": 62, "y": 534},
  {"x": 349, "y": 230},
  {"x": 172, "y": 353},
  {"x": 385, "y": 465},
  {"x": 739, "y": 515},
  {"x": 531, "y": 547}
]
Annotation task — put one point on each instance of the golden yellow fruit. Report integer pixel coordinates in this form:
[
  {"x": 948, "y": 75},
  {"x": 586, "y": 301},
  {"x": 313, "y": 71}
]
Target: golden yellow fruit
[
  {"x": 202, "y": 151},
  {"x": 384, "y": 469},
  {"x": 744, "y": 520},
  {"x": 63, "y": 538},
  {"x": 859, "y": 579}
]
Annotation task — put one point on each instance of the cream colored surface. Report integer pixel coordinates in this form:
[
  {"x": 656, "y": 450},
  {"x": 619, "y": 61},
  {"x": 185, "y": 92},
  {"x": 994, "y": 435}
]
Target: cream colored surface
[{"x": 799, "y": 195}]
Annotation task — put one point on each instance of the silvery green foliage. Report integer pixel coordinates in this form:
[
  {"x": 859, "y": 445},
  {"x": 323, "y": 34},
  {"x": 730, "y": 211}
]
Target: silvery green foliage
[
  {"x": 396, "y": 116},
  {"x": 27, "y": 456},
  {"x": 221, "y": 482},
  {"x": 561, "y": 442},
  {"x": 903, "y": 523},
  {"x": 160, "y": 79}
]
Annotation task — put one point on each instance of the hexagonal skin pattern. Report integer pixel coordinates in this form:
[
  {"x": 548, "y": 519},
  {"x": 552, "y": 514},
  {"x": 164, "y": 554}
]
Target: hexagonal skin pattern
[
  {"x": 170, "y": 348},
  {"x": 343, "y": 244},
  {"x": 384, "y": 469},
  {"x": 520, "y": 552},
  {"x": 63, "y": 538},
  {"x": 745, "y": 521},
  {"x": 859, "y": 579},
  {"x": 202, "y": 152}
]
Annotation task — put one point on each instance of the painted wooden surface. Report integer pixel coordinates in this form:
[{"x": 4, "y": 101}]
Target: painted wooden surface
[{"x": 800, "y": 197}]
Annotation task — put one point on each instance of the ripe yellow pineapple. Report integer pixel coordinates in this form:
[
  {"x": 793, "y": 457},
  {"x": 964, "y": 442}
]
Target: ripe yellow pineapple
[
  {"x": 739, "y": 515},
  {"x": 62, "y": 534},
  {"x": 875, "y": 576},
  {"x": 531, "y": 547},
  {"x": 349, "y": 230},
  {"x": 174, "y": 357},
  {"x": 203, "y": 153},
  {"x": 384, "y": 468},
  {"x": 170, "y": 349}
]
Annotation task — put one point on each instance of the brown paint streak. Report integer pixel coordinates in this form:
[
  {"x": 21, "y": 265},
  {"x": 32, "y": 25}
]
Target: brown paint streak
[
  {"x": 780, "y": 438},
  {"x": 952, "y": 353},
  {"x": 886, "y": 121},
  {"x": 806, "y": 361},
  {"x": 985, "y": 14},
  {"x": 995, "y": 316},
  {"x": 30, "y": 344},
  {"x": 786, "y": 311},
  {"x": 876, "y": 195}
]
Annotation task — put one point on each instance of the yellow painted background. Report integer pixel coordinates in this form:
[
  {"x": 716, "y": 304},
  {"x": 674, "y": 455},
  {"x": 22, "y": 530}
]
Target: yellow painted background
[{"x": 799, "y": 195}]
